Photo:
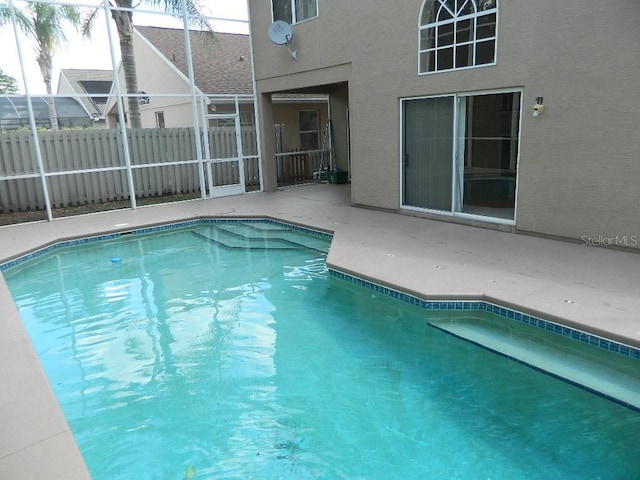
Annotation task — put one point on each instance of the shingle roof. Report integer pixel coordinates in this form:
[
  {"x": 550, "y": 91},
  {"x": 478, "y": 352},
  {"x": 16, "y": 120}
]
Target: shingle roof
[
  {"x": 104, "y": 78},
  {"x": 221, "y": 66}
]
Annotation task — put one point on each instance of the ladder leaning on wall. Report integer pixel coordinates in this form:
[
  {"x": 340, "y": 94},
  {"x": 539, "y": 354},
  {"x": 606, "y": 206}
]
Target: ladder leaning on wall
[{"x": 327, "y": 154}]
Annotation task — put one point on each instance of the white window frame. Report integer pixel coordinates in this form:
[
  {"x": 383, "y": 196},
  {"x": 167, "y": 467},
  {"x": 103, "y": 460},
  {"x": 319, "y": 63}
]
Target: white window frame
[
  {"x": 456, "y": 17},
  {"x": 316, "y": 131},
  {"x": 160, "y": 119},
  {"x": 294, "y": 19}
]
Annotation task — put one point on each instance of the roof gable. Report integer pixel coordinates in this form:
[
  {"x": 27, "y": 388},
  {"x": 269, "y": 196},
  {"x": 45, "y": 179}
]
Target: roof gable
[
  {"x": 221, "y": 66},
  {"x": 95, "y": 83}
]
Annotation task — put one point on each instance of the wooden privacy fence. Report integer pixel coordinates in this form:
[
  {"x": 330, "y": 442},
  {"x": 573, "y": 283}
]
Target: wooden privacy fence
[
  {"x": 222, "y": 144},
  {"x": 88, "y": 166},
  {"x": 297, "y": 167}
]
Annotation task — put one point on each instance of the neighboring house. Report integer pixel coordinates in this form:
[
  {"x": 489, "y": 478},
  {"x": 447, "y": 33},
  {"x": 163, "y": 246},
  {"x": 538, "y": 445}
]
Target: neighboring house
[
  {"x": 433, "y": 105},
  {"x": 91, "y": 87},
  {"x": 222, "y": 72},
  {"x": 14, "y": 112}
]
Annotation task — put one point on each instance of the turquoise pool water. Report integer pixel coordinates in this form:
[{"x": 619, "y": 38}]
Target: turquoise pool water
[{"x": 228, "y": 352}]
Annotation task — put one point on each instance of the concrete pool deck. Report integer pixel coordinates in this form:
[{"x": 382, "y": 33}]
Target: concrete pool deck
[{"x": 589, "y": 288}]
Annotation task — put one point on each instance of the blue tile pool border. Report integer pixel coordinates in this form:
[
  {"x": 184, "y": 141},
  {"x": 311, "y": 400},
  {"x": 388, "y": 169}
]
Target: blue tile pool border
[
  {"x": 209, "y": 221},
  {"x": 482, "y": 305},
  {"x": 56, "y": 246},
  {"x": 154, "y": 229},
  {"x": 465, "y": 305}
]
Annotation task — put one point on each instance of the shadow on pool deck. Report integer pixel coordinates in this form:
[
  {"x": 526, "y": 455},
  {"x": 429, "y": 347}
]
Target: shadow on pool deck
[{"x": 590, "y": 288}]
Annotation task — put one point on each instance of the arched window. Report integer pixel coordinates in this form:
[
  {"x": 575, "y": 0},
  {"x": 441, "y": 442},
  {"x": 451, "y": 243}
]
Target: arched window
[{"x": 457, "y": 34}]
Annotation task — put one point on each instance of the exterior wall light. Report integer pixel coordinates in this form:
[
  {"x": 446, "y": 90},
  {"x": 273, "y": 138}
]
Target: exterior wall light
[{"x": 538, "y": 108}]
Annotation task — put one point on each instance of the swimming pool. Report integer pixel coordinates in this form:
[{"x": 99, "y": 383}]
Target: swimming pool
[{"x": 201, "y": 353}]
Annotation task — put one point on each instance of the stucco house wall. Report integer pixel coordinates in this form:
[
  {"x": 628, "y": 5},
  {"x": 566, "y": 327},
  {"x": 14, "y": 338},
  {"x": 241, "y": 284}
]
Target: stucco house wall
[
  {"x": 289, "y": 115},
  {"x": 157, "y": 76},
  {"x": 578, "y": 166},
  {"x": 165, "y": 80}
]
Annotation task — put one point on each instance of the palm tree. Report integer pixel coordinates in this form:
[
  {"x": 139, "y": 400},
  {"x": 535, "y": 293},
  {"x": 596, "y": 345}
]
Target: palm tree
[
  {"x": 8, "y": 84},
  {"x": 44, "y": 23},
  {"x": 124, "y": 24}
]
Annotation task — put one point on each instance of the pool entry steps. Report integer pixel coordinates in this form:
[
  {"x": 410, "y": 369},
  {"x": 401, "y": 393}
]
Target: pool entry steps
[
  {"x": 598, "y": 365},
  {"x": 259, "y": 236},
  {"x": 287, "y": 233},
  {"x": 594, "y": 369}
]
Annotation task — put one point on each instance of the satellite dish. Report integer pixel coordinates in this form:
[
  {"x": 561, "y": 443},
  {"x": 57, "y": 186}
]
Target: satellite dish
[{"x": 281, "y": 33}]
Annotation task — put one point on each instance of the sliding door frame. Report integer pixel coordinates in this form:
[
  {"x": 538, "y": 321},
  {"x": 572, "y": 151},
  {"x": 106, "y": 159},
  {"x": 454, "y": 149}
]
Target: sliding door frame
[{"x": 457, "y": 161}]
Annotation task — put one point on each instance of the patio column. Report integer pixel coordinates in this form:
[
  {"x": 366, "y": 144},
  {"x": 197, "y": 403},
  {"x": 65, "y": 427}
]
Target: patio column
[
  {"x": 338, "y": 105},
  {"x": 267, "y": 143}
]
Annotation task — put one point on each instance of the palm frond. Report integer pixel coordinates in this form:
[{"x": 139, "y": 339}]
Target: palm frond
[
  {"x": 88, "y": 22},
  {"x": 174, "y": 7},
  {"x": 22, "y": 20},
  {"x": 71, "y": 14}
]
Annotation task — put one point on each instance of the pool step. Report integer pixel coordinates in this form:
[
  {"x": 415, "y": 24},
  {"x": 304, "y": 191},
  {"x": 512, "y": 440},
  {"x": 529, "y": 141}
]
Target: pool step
[
  {"x": 266, "y": 230},
  {"x": 607, "y": 373},
  {"x": 243, "y": 236}
]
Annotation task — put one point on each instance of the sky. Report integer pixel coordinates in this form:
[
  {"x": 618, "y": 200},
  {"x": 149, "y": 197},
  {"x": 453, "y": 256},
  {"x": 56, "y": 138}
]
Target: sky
[{"x": 79, "y": 52}]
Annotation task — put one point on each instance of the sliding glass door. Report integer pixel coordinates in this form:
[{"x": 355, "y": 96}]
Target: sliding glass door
[
  {"x": 428, "y": 133},
  {"x": 460, "y": 154}
]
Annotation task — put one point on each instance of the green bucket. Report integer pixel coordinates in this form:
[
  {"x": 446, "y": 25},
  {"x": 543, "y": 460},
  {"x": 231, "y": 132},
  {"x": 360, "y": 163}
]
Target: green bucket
[{"x": 339, "y": 176}]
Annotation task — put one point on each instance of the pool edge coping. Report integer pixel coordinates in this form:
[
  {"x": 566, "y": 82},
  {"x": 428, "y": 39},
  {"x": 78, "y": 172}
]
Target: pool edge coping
[{"x": 506, "y": 309}]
